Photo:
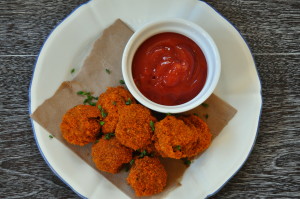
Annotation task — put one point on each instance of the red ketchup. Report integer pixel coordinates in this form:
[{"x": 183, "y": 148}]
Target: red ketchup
[{"x": 169, "y": 69}]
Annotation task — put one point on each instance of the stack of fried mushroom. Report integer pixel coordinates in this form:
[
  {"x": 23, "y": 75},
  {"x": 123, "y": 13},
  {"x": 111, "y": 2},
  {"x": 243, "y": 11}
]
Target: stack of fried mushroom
[{"x": 126, "y": 133}]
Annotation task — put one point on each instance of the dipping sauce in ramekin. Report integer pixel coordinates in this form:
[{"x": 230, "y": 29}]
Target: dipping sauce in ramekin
[
  {"x": 171, "y": 65},
  {"x": 169, "y": 69}
]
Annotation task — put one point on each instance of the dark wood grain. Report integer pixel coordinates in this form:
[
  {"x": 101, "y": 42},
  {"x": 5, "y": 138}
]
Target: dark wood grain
[
  {"x": 272, "y": 30},
  {"x": 273, "y": 168}
]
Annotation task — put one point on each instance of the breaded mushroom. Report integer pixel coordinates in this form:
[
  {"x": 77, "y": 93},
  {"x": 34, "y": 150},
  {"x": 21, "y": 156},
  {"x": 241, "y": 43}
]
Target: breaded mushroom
[
  {"x": 134, "y": 129},
  {"x": 110, "y": 101},
  {"x": 203, "y": 131},
  {"x": 80, "y": 125},
  {"x": 181, "y": 137},
  {"x": 147, "y": 176},
  {"x": 110, "y": 155}
]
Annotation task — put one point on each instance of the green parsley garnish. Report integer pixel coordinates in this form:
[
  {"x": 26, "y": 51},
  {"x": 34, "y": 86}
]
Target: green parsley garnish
[
  {"x": 103, "y": 112},
  {"x": 89, "y": 98},
  {"x": 143, "y": 154},
  {"x": 122, "y": 81},
  {"x": 51, "y": 136},
  {"x": 83, "y": 93},
  {"x": 73, "y": 70},
  {"x": 206, "y": 116},
  {"x": 86, "y": 100},
  {"x": 96, "y": 141},
  {"x": 107, "y": 71},
  {"x": 168, "y": 114},
  {"x": 178, "y": 147},
  {"x": 92, "y": 103},
  {"x": 114, "y": 103},
  {"x": 131, "y": 162},
  {"x": 108, "y": 136},
  {"x": 196, "y": 114},
  {"x": 101, "y": 123},
  {"x": 205, "y": 105},
  {"x": 128, "y": 102},
  {"x": 187, "y": 162},
  {"x": 152, "y": 126}
]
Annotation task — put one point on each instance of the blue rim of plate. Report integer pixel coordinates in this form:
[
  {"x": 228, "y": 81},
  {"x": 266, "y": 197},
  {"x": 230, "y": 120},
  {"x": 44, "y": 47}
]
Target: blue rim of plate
[{"x": 80, "y": 195}]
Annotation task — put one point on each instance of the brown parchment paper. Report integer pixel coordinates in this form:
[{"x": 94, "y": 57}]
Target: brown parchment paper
[{"x": 107, "y": 54}]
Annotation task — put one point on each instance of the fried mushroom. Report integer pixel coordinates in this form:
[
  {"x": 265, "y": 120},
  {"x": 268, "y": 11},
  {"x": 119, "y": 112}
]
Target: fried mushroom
[
  {"x": 134, "y": 129},
  {"x": 147, "y": 176},
  {"x": 109, "y": 155},
  {"x": 181, "y": 137},
  {"x": 109, "y": 102},
  {"x": 80, "y": 125}
]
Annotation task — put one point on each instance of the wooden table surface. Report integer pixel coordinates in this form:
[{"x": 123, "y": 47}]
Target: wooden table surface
[{"x": 272, "y": 30}]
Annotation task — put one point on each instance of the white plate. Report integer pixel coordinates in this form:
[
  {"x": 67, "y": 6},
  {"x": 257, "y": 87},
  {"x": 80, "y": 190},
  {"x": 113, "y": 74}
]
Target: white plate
[{"x": 239, "y": 85}]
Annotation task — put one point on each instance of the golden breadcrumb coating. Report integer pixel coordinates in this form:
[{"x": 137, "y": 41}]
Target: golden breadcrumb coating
[
  {"x": 111, "y": 100},
  {"x": 80, "y": 124},
  {"x": 205, "y": 136},
  {"x": 147, "y": 176},
  {"x": 181, "y": 137},
  {"x": 133, "y": 129},
  {"x": 110, "y": 155}
]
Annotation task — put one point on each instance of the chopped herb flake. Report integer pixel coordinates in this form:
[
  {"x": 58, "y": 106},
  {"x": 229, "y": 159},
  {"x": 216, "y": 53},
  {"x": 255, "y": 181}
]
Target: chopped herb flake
[
  {"x": 108, "y": 136},
  {"x": 168, "y": 114},
  {"x": 187, "y": 162},
  {"x": 122, "y": 81},
  {"x": 206, "y": 116},
  {"x": 96, "y": 141},
  {"x": 131, "y": 162},
  {"x": 103, "y": 112},
  {"x": 51, "y": 136},
  {"x": 196, "y": 114},
  {"x": 73, "y": 70},
  {"x": 128, "y": 102},
  {"x": 152, "y": 126},
  {"x": 85, "y": 101},
  {"x": 92, "y": 103},
  {"x": 83, "y": 93},
  {"x": 114, "y": 103},
  {"x": 101, "y": 123},
  {"x": 89, "y": 98},
  {"x": 178, "y": 148},
  {"x": 143, "y": 154},
  {"x": 205, "y": 105},
  {"x": 107, "y": 71}
]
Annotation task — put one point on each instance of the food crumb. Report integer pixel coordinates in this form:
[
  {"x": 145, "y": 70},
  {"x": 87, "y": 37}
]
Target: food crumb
[
  {"x": 122, "y": 81},
  {"x": 205, "y": 105}
]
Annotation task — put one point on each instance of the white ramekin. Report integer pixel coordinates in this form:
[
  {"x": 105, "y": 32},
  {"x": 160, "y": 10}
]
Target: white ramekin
[{"x": 184, "y": 27}]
